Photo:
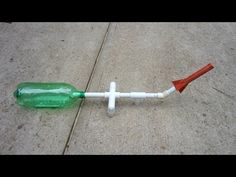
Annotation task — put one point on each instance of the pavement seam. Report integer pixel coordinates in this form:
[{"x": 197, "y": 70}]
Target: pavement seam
[{"x": 86, "y": 88}]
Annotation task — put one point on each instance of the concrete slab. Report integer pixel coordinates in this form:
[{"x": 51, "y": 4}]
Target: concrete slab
[
  {"x": 147, "y": 57},
  {"x": 44, "y": 52}
]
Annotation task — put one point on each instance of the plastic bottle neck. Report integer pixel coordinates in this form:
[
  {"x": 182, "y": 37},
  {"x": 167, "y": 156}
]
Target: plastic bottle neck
[{"x": 79, "y": 94}]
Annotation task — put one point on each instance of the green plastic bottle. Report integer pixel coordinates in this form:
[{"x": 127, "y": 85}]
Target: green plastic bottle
[{"x": 47, "y": 95}]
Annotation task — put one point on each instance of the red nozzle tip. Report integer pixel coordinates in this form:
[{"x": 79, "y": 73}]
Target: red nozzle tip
[{"x": 180, "y": 85}]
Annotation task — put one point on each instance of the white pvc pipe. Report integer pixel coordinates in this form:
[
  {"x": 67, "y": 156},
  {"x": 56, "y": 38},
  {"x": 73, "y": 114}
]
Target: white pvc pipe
[
  {"x": 112, "y": 99},
  {"x": 94, "y": 94},
  {"x": 112, "y": 95},
  {"x": 130, "y": 95}
]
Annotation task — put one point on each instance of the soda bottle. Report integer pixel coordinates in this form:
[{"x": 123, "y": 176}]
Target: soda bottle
[{"x": 47, "y": 95}]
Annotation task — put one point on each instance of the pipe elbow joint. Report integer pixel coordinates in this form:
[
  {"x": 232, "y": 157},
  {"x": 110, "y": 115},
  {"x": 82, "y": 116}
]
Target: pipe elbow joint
[{"x": 163, "y": 94}]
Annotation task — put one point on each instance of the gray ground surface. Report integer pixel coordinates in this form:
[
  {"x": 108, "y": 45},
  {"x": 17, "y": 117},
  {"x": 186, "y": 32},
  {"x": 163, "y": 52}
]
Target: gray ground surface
[
  {"x": 42, "y": 52},
  {"x": 139, "y": 57}
]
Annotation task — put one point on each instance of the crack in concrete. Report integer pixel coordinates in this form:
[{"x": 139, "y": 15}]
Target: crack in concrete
[
  {"x": 86, "y": 88},
  {"x": 225, "y": 94}
]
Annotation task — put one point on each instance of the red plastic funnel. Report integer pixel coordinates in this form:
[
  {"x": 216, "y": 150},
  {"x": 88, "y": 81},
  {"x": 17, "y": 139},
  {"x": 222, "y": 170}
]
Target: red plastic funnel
[{"x": 180, "y": 85}]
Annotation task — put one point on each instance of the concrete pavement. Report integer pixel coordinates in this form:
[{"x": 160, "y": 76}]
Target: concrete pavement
[
  {"x": 147, "y": 57},
  {"x": 139, "y": 57},
  {"x": 43, "y": 52}
]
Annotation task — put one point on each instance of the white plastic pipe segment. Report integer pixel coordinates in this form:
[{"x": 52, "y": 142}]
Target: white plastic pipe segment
[
  {"x": 112, "y": 95},
  {"x": 178, "y": 85}
]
